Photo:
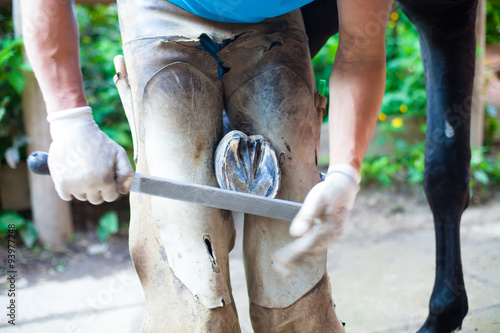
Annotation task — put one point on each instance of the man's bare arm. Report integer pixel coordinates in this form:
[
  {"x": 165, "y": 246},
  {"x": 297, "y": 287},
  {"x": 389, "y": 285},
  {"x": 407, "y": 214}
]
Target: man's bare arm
[
  {"x": 84, "y": 162},
  {"x": 51, "y": 40},
  {"x": 357, "y": 82},
  {"x": 356, "y": 90}
]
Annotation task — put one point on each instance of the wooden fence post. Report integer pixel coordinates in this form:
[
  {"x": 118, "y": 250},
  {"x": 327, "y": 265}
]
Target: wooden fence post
[
  {"x": 477, "y": 109},
  {"x": 51, "y": 215}
]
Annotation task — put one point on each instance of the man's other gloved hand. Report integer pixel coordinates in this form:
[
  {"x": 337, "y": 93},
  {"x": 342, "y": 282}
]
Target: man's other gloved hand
[
  {"x": 83, "y": 161},
  {"x": 321, "y": 219}
]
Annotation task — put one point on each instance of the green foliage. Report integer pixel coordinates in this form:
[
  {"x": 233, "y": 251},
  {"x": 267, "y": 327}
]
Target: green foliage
[
  {"x": 24, "y": 228},
  {"x": 405, "y": 166},
  {"x": 100, "y": 42},
  {"x": 492, "y": 22},
  {"x": 6, "y": 24},
  {"x": 12, "y": 63},
  {"x": 382, "y": 169},
  {"x": 12, "y": 68},
  {"x": 405, "y": 84},
  {"x": 485, "y": 171},
  {"x": 108, "y": 225},
  {"x": 323, "y": 61},
  {"x": 491, "y": 125},
  {"x": 322, "y": 64}
]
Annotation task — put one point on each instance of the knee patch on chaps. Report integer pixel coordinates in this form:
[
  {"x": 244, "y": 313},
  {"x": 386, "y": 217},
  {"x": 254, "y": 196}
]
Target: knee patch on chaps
[
  {"x": 179, "y": 123},
  {"x": 272, "y": 94}
]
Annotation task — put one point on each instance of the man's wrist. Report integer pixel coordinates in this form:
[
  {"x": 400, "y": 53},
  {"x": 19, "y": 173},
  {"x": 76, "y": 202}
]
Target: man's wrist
[
  {"x": 69, "y": 122},
  {"x": 65, "y": 101},
  {"x": 346, "y": 156},
  {"x": 345, "y": 169},
  {"x": 78, "y": 112}
]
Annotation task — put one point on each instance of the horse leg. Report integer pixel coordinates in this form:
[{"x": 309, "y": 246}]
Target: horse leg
[{"x": 447, "y": 37}]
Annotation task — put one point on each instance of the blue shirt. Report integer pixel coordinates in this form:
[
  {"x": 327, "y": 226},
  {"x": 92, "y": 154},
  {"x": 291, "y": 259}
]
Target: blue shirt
[{"x": 239, "y": 11}]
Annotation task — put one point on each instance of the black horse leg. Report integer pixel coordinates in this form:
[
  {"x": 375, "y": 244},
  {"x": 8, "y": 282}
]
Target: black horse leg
[
  {"x": 447, "y": 37},
  {"x": 321, "y": 20}
]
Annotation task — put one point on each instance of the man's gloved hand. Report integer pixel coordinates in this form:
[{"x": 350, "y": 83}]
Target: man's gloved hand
[
  {"x": 83, "y": 161},
  {"x": 321, "y": 219}
]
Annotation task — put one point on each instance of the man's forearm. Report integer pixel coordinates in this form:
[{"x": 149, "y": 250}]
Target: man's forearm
[
  {"x": 357, "y": 82},
  {"x": 356, "y": 92},
  {"x": 51, "y": 41}
]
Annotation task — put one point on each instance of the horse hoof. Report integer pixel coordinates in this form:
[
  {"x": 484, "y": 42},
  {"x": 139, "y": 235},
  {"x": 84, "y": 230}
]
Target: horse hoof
[
  {"x": 430, "y": 327},
  {"x": 247, "y": 164},
  {"x": 445, "y": 316}
]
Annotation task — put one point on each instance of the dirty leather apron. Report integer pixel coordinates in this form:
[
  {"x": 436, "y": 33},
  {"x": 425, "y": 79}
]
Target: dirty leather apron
[{"x": 183, "y": 71}]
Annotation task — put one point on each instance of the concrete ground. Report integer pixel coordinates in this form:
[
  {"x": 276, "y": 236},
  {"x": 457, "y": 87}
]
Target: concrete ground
[{"x": 382, "y": 272}]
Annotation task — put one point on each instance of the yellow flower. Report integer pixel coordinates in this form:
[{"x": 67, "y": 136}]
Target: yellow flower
[
  {"x": 382, "y": 116},
  {"x": 397, "y": 122},
  {"x": 403, "y": 108},
  {"x": 391, "y": 24},
  {"x": 394, "y": 16}
]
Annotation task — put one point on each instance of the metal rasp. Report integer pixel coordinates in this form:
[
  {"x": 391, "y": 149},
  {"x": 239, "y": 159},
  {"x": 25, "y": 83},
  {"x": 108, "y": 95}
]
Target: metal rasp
[{"x": 195, "y": 193}]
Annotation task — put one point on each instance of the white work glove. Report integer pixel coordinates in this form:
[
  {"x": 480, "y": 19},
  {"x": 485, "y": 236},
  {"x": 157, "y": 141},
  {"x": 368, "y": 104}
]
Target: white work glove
[
  {"x": 83, "y": 161},
  {"x": 321, "y": 219}
]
